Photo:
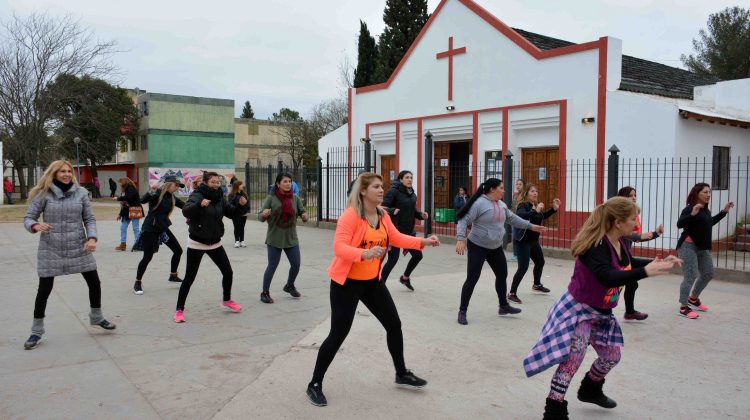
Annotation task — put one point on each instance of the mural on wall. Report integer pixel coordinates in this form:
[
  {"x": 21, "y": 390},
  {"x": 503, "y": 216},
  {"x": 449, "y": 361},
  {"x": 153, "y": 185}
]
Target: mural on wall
[{"x": 187, "y": 175}]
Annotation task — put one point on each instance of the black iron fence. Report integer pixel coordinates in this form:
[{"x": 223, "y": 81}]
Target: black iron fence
[{"x": 662, "y": 187}]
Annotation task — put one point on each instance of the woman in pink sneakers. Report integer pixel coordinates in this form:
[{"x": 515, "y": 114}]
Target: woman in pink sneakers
[
  {"x": 206, "y": 207},
  {"x": 694, "y": 247},
  {"x": 638, "y": 236}
]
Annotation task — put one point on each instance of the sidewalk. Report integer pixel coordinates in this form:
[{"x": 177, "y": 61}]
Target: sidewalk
[{"x": 256, "y": 364}]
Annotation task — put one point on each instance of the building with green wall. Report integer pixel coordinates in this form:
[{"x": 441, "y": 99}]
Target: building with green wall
[{"x": 182, "y": 135}]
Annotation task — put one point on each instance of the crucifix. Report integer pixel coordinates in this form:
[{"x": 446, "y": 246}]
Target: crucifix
[{"x": 449, "y": 54}]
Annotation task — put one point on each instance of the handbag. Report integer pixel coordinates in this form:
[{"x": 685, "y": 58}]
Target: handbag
[{"x": 135, "y": 212}]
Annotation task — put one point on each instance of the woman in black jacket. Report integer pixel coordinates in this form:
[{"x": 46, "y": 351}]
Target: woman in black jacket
[
  {"x": 237, "y": 191},
  {"x": 206, "y": 207},
  {"x": 401, "y": 203},
  {"x": 128, "y": 198},
  {"x": 694, "y": 247},
  {"x": 155, "y": 225},
  {"x": 526, "y": 242}
]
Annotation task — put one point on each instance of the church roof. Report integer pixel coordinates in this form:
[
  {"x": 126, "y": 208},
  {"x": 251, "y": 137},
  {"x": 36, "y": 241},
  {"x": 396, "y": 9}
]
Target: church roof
[{"x": 639, "y": 75}]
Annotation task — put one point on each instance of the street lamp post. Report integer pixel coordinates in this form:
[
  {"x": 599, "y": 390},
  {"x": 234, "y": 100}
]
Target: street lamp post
[{"x": 77, "y": 141}]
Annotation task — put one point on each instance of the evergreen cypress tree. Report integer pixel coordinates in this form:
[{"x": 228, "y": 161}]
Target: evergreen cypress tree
[
  {"x": 247, "y": 111},
  {"x": 367, "y": 58},
  {"x": 403, "y": 21}
]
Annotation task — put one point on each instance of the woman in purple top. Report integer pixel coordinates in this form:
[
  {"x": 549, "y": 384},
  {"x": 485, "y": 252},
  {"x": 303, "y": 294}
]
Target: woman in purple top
[{"x": 583, "y": 315}]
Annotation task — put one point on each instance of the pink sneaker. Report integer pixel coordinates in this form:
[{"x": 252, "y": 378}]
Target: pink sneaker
[
  {"x": 179, "y": 317},
  {"x": 696, "y": 303},
  {"x": 232, "y": 305},
  {"x": 688, "y": 313}
]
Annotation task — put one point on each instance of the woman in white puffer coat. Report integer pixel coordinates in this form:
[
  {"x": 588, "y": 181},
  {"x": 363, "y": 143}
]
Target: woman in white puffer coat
[{"x": 67, "y": 241}]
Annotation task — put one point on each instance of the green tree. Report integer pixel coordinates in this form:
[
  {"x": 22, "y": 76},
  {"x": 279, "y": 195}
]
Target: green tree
[
  {"x": 723, "y": 50},
  {"x": 247, "y": 111},
  {"x": 367, "y": 58},
  {"x": 286, "y": 115},
  {"x": 94, "y": 111},
  {"x": 403, "y": 20}
]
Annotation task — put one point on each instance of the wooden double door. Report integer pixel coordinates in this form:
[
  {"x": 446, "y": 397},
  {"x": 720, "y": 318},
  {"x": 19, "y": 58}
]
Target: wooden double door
[{"x": 541, "y": 167}]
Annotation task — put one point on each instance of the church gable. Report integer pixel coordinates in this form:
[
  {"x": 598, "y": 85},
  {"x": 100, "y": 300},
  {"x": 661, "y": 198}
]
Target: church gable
[{"x": 463, "y": 52}]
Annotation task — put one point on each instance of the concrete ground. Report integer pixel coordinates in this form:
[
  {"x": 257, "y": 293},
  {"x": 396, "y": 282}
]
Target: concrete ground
[{"x": 256, "y": 364}]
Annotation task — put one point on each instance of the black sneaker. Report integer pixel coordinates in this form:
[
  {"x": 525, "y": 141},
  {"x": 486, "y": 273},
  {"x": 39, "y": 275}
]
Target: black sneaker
[
  {"x": 265, "y": 297},
  {"x": 104, "y": 324},
  {"x": 137, "y": 288},
  {"x": 292, "y": 290},
  {"x": 508, "y": 310},
  {"x": 406, "y": 282},
  {"x": 539, "y": 288},
  {"x": 315, "y": 394},
  {"x": 514, "y": 298},
  {"x": 409, "y": 379},
  {"x": 174, "y": 279},
  {"x": 32, "y": 342}
]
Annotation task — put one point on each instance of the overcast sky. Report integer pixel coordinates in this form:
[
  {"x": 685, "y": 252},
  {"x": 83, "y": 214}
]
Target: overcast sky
[{"x": 285, "y": 53}]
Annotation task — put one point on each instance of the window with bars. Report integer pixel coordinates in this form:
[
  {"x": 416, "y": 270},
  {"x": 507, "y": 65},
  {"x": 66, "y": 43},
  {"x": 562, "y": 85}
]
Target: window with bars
[{"x": 720, "y": 168}]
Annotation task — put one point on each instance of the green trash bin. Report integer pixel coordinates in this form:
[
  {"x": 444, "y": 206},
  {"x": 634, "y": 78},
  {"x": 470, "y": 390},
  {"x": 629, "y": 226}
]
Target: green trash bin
[{"x": 445, "y": 215}]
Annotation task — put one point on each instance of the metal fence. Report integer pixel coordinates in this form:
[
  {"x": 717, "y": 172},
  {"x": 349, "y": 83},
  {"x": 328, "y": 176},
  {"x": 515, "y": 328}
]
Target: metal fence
[
  {"x": 662, "y": 187},
  {"x": 259, "y": 180}
]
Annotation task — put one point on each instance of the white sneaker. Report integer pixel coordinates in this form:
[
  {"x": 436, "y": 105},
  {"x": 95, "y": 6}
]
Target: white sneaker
[
  {"x": 237, "y": 244},
  {"x": 243, "y": 244}
]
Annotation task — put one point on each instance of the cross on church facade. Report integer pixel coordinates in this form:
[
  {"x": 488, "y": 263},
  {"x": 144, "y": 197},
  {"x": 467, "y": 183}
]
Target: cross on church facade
[{"x": 449, "y": 55}]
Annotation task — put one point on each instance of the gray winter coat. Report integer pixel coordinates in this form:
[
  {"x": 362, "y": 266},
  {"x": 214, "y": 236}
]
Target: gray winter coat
[{"x": 61, "y": 249}]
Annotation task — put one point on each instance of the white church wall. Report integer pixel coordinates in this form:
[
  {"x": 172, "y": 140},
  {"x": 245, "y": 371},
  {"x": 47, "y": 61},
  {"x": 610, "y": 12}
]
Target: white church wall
[
  {"x": 640, "y": 125},
  {"x": 490, "y": 133},
  {"x": 494, "y": 72},
  {"x": 408, "y": 153},
  {"x": 697, "y": 138}
]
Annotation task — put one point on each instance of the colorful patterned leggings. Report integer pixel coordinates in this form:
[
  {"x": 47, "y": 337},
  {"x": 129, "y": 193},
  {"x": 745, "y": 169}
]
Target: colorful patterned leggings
[{"x": 608, "y": 358}]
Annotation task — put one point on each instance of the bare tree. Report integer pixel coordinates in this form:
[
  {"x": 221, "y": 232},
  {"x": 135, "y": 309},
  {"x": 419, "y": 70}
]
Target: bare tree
[
  {"x": 293, "y": 142},
  {"x": 34, "y": 51},
  {"x": 346, "y": 76},
  {"x": 329, "y": 115}
]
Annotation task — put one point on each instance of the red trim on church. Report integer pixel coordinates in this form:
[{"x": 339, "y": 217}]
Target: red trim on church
[
  {"x": 398, "y": 147},
  {"x": 474, "y": 149},
  {"x": 601, "y": 118},
  {"x": 349, "y": 133},
  {"x": 505, "y": 138},
  {"x": 506, "y": 30},
  {"x": 455, "y": 114},
  {"x": 420, "y": 183}
]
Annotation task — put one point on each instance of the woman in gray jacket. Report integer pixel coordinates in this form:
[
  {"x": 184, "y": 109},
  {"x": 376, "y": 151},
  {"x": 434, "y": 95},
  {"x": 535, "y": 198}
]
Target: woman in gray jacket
[
  {"x": 487, "y": 215},
  {"x": 67, "y": 240}
]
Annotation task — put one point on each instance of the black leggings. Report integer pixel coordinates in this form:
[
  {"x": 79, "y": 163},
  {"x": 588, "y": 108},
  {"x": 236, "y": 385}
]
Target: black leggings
[
  {"x": 393, "y": 254},
  {"x": 525, "y": 251},
  {"x": 194, "y": 257},
  {"x": 344, "y": 300},
  {"x": 239, "y": 228},
  {"x": 45, "y": 288},
  {"x": 150, "y": 242},
  {"x": 629, "y": 297},
  {"x": 477, "y": 255}
]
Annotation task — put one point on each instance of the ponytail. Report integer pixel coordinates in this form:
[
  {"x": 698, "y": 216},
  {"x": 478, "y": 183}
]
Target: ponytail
[
  {"x": 484, "y": 188},
  {"x": 600, "y": 222}
]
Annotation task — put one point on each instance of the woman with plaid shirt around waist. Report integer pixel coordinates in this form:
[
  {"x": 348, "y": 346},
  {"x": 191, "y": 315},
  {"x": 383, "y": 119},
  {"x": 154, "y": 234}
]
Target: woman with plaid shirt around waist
[{"x": 583, "y": 315}]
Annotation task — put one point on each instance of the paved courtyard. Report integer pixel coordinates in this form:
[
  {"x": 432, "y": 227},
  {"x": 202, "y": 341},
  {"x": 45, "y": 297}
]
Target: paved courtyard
[{"x": 256, "y": 364}]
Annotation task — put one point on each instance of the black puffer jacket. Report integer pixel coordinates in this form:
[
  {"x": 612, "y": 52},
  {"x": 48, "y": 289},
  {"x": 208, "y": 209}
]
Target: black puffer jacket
[
  {"x": 128, "y": 198},
  {"x": 405, "y": 200},
  {"x": 206, "y": 224},
  {"x": 157, "y": 219}
]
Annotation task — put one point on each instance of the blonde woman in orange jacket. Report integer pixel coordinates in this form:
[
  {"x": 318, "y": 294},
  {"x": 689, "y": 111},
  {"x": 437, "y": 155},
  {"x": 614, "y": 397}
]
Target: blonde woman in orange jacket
[{"x": 363, "y": 233}]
